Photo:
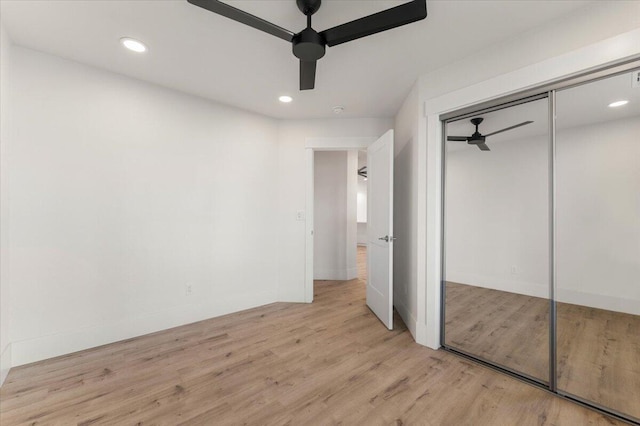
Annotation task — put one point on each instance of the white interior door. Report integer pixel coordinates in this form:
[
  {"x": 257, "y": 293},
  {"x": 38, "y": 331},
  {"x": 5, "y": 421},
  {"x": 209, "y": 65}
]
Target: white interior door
[{"x": 380, "y": 228}]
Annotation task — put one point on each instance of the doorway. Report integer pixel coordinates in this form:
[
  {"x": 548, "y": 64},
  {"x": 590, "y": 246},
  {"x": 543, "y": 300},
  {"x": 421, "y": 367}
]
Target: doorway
[
  {"x": 340, "y": 220},
  {"x": 335, "y": 190},
  {"x": 379, "y": 280}
]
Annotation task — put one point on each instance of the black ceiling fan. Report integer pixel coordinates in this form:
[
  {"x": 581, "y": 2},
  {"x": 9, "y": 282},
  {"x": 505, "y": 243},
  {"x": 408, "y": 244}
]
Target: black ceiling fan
[
  {"x": 478, "y": 138},
  {"x": 310, "y": 45}
]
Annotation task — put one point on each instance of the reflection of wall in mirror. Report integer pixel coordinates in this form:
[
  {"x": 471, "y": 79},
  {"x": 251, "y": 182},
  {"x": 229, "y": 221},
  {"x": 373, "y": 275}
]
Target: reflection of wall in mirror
[
  {"x": 497, "y": 216},
  {"x": 362, "y": 211}
]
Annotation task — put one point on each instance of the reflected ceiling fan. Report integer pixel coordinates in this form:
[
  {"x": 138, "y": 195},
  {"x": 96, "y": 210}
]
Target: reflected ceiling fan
[
  {"x": 310, "y": 45},
  {"x": 478, "y": 138}
]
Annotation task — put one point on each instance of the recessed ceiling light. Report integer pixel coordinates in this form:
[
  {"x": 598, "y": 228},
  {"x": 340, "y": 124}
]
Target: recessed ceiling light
[
  {"x": 618, "y": 103},
  {"x": 338, "y": 109},
  {"x": 134, "y": 45},
  {"x": 285, "y": 99}
]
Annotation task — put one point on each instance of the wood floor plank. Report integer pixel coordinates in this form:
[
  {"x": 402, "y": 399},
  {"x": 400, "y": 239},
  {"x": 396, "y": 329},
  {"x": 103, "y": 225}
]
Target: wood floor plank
[{"x": 327, "y": 363}]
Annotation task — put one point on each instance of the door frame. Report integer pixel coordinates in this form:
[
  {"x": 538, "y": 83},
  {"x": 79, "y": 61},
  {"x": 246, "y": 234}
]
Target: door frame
[{"x": 312, "y": 145}]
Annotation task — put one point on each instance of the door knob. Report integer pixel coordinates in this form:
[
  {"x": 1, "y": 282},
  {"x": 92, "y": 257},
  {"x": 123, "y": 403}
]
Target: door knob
[{"x": 387, "y": 238}]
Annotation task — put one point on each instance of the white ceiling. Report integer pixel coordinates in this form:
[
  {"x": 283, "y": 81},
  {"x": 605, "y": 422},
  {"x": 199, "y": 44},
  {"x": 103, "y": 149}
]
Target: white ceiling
[{"x": 198, "y": 52}]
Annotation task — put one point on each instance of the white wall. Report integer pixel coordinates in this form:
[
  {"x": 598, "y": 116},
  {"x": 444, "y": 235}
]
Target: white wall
[
  {"x": 352, "y": 215},
  {"x": 361, "y": 214},
  {"x": 334, "y": 216},
  {"x": 405, "y": 212},
  {"x": 125, "y": 193},
  {"x": 292, "y": 177},
  {"x": 122, "y": 194},
  {"x": 361, "y": 202},
  {"x": 362, "y": 234},
  {"x": 5, "y": 135}
]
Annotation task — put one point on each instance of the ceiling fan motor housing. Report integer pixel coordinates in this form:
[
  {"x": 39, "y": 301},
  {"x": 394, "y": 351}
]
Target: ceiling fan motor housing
[
  {"x": 476, "y": 122},
  {"x": 308, "y": 7},
  {"x": 476, "y": 138},
  {"x": 308, "y": 45}
]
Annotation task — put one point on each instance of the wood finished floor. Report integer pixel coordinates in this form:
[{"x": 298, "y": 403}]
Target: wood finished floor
[
  {"x": 598, "y": 350},
  {"x": 330, "y": 362},
  {"x": 507, "y": 328}
]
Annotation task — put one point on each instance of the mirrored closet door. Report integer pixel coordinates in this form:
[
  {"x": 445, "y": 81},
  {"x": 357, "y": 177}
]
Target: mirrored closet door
[
  {"x": 496, "y": 256},
  {"x": 541, "y": 238},
  {"x": 598, "y": 243}
]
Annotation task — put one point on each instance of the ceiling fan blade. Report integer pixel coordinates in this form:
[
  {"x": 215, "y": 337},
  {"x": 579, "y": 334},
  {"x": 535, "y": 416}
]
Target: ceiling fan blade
[
  {"x": 483, "y": 147},
  {"x": 387, "y": 19},
  {"x": 243, "y": 17},
  {"x": 509, "y": 128},
  {"x": 307, "y": 75},
  {"x": 457, "y": 138}
]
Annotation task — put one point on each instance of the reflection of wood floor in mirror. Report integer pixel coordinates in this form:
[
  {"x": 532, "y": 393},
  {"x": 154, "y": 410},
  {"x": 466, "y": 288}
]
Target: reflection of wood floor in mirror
[{"x": 598, "y": 350}]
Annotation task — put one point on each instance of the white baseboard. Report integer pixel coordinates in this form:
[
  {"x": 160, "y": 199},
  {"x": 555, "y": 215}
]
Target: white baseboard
[
  {"x": 407, "y": 317},
  {"x": 40, "y": 348},
  {"x": 565, "y": 295},
  {"x": 499, "y": 283},
  {"x": 5, "y": 363},
  {"x": 335, "y": 274},
  {"x": 599, "y": 301}
]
